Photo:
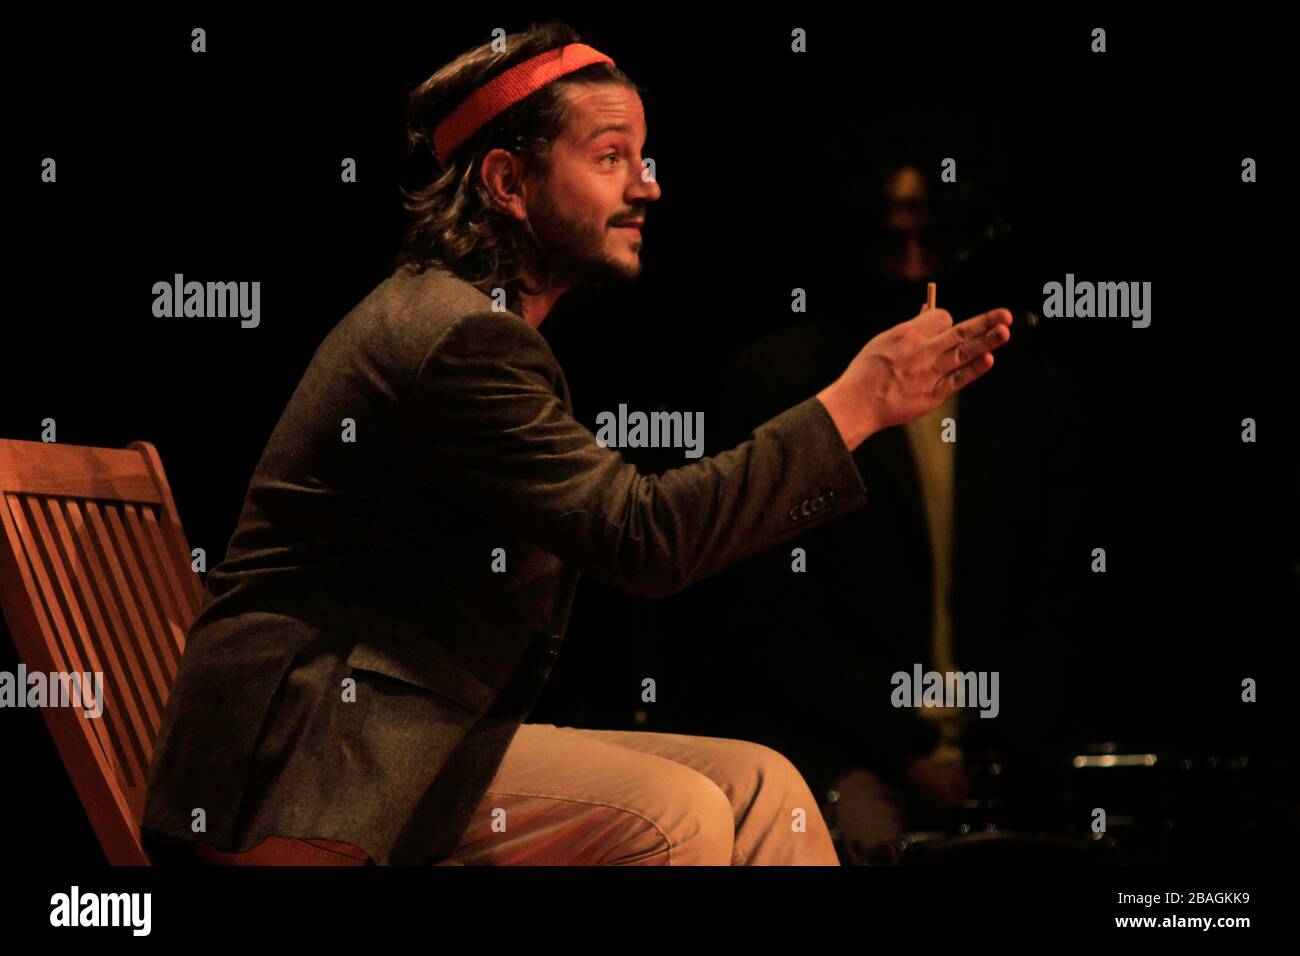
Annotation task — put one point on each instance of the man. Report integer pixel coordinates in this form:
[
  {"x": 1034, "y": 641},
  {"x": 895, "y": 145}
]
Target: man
[
  {"x": 393, "y": 599},
  {"x": 916, "y": 576}
]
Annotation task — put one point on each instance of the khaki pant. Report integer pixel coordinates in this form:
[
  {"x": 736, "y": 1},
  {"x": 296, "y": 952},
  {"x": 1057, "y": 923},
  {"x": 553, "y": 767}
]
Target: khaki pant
[{"x": 565, "y": 796}]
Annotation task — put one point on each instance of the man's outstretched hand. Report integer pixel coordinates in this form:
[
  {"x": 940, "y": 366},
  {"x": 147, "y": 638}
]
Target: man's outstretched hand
[{"x": 911, "y": 369}]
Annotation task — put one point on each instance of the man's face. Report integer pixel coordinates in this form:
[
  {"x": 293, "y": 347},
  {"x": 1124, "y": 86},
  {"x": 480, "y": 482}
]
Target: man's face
[
  {"x": 594, "y": 187},
  {"x": 910, "y": 252}
]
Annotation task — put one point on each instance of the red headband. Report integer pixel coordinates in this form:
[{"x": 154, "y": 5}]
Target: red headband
[{"x": 507, "y": 89}]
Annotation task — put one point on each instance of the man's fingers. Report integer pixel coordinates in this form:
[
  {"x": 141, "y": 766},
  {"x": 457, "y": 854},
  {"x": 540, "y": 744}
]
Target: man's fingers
[
  {"x": 971, "y": 328},
  {"x": 959, "y": 378},
  {"x": 971, "y": 349}
]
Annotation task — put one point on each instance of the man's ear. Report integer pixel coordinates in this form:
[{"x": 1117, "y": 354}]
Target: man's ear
[{"x": 503, "y": 177}]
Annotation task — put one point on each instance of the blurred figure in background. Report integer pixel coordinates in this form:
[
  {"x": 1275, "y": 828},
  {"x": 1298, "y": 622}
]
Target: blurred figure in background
[{"x": 917, "y": 577}]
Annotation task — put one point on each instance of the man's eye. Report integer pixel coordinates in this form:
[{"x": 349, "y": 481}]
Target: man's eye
[{"x": 608, "y": 155}]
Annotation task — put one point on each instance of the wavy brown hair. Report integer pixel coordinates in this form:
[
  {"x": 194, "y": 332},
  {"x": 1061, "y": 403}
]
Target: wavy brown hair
[{"x": 454, "y": 222}]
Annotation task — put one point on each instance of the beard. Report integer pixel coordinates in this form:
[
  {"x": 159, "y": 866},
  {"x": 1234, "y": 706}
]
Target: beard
[{"x": 577, "y": 249}]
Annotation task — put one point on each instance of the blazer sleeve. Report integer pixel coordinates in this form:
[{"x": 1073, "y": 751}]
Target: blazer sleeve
[{"x": 495, "y": 437}]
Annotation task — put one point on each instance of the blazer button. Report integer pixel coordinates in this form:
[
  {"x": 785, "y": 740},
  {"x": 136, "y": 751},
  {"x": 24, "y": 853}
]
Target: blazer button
[
  {"x": 554, "y": 644},
  {"x": 794, "y": 513},
  {"x": 818, "y": 503},
  {"x": 806, "y": 504}
]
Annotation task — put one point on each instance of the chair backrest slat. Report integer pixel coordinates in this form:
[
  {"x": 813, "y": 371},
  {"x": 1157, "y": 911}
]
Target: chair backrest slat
[
  {"x": 136, "y": 595},
  {"x": 95, "y": 578},
  {"x": 60, "y": 613},
  {"x": 111, "y": 637},
  {"x": 164, "y": 575}
]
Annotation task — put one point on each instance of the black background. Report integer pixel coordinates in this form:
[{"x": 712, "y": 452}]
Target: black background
[{"x": 1121, "y": 166}]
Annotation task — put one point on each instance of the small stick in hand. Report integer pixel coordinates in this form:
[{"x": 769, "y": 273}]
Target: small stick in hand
[{"x": 929, "y": 295}]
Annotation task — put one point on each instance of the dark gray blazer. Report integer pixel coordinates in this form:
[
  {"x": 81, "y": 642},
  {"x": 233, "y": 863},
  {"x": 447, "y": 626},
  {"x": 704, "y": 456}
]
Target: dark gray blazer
[{"x": 373, "y": 560}]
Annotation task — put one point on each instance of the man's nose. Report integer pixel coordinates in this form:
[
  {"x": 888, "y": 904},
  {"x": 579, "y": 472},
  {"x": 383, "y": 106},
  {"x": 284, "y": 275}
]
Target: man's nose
[
  {"x": 915, "y": 263},
  {"x": 643, "y": 188}
]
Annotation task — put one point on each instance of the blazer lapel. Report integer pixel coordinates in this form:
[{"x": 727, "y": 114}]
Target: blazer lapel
[
  {"x": 564, "y": 389},
  {"x": 564, "y": 381},
  {"x": 979, "y": 446},
  {"x": 892, "y": 452}
]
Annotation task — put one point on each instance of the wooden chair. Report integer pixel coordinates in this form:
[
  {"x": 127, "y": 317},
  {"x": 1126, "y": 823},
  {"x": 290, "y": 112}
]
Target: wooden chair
[{"x": 95, "y": 575}]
